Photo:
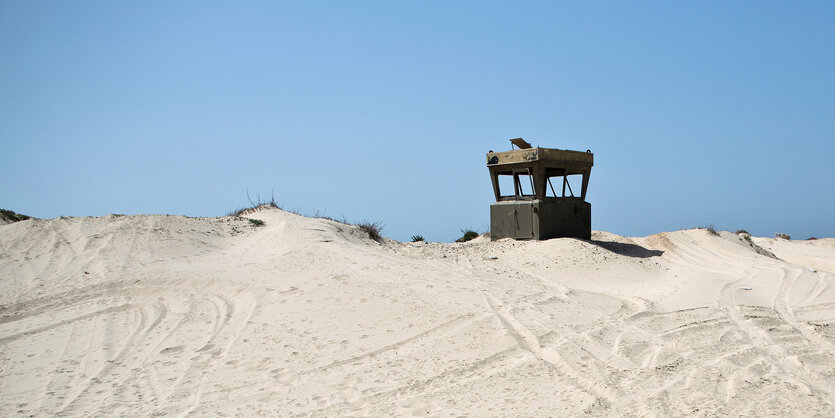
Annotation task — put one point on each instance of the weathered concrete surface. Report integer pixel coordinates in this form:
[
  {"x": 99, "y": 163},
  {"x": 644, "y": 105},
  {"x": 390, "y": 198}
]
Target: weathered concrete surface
[
  {"x": 540, "y": 219},
  {"x": 550, "y": 156}
]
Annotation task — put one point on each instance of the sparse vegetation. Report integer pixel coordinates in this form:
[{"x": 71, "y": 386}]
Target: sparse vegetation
[
  {"x": 469, "y": 234},
  {"x": 711, "y": 230},
  {"x": 780, "y": 235},
  {"x": 12, "y": 216},
  {"x": 811, "y": 239},
  {"x": 741, "y": 231},
  {"x": 373, "y": 229},
  {"x": 757, "y": 248},
  {"x": 322, "y": 215},
  {"x": 416, "y": 238},
  {"x": 254, "y": 204}
]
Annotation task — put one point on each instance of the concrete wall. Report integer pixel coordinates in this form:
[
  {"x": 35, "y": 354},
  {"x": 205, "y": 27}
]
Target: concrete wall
[{"x": 541, "y": 219}]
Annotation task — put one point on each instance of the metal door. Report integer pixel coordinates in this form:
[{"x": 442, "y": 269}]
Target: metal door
[{"x": 523, "y": 220}]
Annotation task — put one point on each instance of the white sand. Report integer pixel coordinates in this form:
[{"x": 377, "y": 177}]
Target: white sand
[{"x": 167, "y": 315}]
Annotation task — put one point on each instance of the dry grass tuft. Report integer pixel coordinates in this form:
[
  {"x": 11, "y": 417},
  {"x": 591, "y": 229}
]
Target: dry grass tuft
[
  {"x": 373, "y": 229},
  {"x": 255, "y": 205}
]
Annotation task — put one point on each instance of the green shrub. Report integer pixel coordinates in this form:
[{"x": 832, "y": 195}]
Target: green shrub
[
  {"x": 741, "y": 231},
  {"x": 469, "y": 234},
  {"x": 416, "y": 238},
  {"x": 11, "y": 216},
  {"x": 256, "y": 222},
  {"x": 782, "y": 236}
]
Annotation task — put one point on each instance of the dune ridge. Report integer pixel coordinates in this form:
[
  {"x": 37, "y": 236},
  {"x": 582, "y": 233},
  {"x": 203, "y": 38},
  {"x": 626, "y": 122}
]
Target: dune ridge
[{"x": 169, "y": 315}]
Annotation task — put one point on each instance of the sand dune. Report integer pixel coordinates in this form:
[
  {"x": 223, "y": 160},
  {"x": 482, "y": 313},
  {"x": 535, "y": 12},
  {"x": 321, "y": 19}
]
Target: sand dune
[{"x": 168, "y": 315}]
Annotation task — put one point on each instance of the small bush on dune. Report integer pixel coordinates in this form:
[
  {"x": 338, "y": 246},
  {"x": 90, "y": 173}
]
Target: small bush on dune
[
  {"x": 256, "y": 222},
  {"x": 811, "y": 239},
  {"x": 11, "y": 216},
  {"x": 782, "y": 236},
  {"x": 416, "y": 238},
  {"x": 741, "y": 231},
  {"x": 373, "y": 229},
  {"x": 469, "y": 234},
  {"x": 711, "y": 230}
]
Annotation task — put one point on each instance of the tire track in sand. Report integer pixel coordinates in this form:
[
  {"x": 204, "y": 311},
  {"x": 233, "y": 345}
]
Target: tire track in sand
[{"x": 120, "y": 328}]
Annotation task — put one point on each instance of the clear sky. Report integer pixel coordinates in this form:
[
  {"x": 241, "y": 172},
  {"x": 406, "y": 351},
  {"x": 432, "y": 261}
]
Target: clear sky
[{"x": 697, "y": 112}]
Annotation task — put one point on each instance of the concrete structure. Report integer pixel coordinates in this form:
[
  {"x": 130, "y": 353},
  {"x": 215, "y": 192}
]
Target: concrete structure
[{"x": 528, "y": 206}]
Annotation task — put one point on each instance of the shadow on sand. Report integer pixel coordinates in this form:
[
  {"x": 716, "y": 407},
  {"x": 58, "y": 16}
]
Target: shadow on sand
[{"x": 629, "y": 250}]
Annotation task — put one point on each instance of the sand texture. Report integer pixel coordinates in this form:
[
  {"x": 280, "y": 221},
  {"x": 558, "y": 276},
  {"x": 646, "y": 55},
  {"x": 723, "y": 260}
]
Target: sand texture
[{"x": 174, "y": 316}]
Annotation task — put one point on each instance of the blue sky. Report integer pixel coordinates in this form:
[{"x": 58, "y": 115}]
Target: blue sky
[{"x": 698, "y": 113}]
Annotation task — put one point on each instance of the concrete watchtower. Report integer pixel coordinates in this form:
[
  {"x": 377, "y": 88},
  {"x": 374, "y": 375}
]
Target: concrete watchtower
[{"x": 527, "y": 204}]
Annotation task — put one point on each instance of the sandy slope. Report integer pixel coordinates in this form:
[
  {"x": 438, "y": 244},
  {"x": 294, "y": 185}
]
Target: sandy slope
[{"x": 167, "y": 315}]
